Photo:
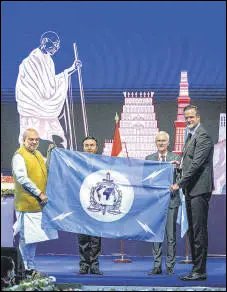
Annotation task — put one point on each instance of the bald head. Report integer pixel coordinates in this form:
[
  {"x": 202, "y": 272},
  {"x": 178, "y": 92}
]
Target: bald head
[
  {"x": 27, "y": 132},
  {"x": 31, "y": 140},
  {"x": 49, "y": 42},
  {"x": 51, "y": 35}
]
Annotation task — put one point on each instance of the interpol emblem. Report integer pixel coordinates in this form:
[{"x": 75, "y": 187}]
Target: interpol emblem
[{"x": 106, "y": 195}]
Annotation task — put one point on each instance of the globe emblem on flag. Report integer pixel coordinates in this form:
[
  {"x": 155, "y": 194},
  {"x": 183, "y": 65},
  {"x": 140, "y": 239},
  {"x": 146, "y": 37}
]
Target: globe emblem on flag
[{"x": 106, "y": 195}]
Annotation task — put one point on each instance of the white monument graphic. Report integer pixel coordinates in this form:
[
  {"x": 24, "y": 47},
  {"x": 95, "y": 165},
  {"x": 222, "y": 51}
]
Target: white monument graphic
[
  {"x": 41, "y": 93},
  {"x": 138, "y": 126},
  {"x": 219, "y": 160}
]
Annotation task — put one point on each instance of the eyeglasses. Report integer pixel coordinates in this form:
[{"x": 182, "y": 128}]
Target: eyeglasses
[{"x": 55, "y": 44}]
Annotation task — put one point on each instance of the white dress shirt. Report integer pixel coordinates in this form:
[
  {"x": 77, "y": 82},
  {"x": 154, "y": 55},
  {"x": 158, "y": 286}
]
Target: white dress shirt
[
  {"x": 161, "y": 155},
  {"x": 193, "y": 130},
  {"x": 21, "y": 175}
]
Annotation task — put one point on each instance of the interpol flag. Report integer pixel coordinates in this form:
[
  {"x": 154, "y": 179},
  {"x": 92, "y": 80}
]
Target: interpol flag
[
  {"x": 182, "y": 212},
  {"x": 107, "y": 196}
]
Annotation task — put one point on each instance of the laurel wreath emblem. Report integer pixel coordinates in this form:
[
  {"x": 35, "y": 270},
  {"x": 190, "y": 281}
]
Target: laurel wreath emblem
[{"x": 114, "y": 209}]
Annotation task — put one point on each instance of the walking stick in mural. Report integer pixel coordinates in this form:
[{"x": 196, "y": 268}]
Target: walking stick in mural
[
  {"x": 69, "y": 108},
  {"x": 81, "y": 93},
  {"x": 73, "y": 136}
]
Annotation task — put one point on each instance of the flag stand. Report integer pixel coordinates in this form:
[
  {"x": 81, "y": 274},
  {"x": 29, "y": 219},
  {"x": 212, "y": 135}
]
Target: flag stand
[
  {"x": 186, "y": 261},
  {"x": 116, "y": 151},
  {"x": 122, "y": 260}
]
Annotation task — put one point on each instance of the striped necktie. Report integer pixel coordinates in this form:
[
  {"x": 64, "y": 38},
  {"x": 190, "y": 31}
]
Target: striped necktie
[{"x": 163, "y": 158}]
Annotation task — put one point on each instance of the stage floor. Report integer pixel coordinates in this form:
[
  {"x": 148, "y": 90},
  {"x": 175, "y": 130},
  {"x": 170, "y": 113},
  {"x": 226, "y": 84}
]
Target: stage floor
[{"x": 65, "y": 267}]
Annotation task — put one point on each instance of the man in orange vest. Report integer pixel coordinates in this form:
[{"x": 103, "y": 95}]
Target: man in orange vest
[{"x": 30, "y": 177}]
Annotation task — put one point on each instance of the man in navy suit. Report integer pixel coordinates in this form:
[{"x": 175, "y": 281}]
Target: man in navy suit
[
  {"x": 197, "y": 185},
  {"x": 162, "y": 142}
]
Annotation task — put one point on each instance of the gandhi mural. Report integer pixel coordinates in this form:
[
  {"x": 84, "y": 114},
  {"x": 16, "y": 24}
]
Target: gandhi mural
[{"x": 40, "y": 93}]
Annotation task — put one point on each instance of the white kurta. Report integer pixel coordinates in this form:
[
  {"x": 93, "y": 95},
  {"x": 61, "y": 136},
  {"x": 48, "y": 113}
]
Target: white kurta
[
  {"x": 40, "y": 95},
  {"x": 31, "y": 224}
]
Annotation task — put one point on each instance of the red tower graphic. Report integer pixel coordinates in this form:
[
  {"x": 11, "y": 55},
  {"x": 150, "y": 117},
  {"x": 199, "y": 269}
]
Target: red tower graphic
[{"x": 182, "y": 101}]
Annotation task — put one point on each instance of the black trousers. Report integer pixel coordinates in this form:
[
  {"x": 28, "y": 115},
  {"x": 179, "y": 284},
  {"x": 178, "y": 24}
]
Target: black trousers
[
  {"x": 197, "y": 212},
  {"x": 89, "y": 250}
]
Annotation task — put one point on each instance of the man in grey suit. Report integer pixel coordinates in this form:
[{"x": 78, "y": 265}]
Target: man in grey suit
[
  {"x": 162, "y": 142},
  {"x": 197, "y": 185}
]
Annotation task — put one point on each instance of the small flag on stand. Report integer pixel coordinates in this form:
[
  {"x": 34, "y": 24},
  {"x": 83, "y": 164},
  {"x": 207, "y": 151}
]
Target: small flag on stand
[
  {"x": 117, "y": 145},
  {"x": 117, "y": 151}
]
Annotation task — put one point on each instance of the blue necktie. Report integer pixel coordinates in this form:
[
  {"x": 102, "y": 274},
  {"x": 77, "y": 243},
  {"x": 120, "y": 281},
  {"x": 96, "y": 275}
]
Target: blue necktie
[
  {"x": 187, "y": 141},
  {"x": 163, "y": 158}
]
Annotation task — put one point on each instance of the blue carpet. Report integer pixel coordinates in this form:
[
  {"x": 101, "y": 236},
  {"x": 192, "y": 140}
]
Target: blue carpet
[{"x": 65, "y": 267}]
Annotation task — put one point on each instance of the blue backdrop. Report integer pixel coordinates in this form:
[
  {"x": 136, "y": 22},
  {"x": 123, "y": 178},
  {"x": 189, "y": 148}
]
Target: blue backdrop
[
  {"x": 122, "y": 44},
  {"x": 126, "y": 45}
]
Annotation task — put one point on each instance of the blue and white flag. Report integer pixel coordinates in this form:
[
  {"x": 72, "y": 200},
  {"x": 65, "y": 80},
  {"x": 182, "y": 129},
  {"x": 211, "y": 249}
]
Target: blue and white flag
[
  {"x": 107, "y": 196},
  {"x": 182, "y": 218},
  {"x": 182, "y": 215}
]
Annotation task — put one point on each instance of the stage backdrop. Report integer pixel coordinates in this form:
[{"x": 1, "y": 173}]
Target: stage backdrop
[
  {"x": 123, "y": 46},
  {"x": 101, "y": 108},
  {"x": 101, "y": 113}
]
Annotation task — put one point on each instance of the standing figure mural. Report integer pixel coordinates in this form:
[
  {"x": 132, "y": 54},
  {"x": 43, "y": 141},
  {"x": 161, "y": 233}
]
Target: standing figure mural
[
  {"x": 40, "y": 93},
  {"x": 220, "y": 158}
]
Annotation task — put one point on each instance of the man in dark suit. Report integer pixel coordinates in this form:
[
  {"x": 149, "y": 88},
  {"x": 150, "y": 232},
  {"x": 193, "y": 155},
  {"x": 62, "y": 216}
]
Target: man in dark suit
[
  {"x": 89, "y": 246},
  {"x": 162, "y": 142},
  {"x": 197, "y": 185}
]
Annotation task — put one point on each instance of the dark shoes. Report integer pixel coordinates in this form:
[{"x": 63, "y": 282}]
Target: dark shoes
[
  {"x": 83, "y": 271},
  {"x": 28, "y": 273},
  {"x": 169, "y": 271},
  {"x": 96, "y": 272},
  {"x": 34, "y": 275},
  {"x": 158, "y": 271},
  {"x": 155, "y": 271},
  {"x": 193, "y": 277}
]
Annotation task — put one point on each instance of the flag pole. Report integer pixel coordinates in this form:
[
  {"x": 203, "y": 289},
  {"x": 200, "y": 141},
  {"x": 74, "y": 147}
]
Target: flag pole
[
  {"x": 186, "y": 261},
  {"x": 122, "y": 260},
  {"x": 122, "y": 253}
]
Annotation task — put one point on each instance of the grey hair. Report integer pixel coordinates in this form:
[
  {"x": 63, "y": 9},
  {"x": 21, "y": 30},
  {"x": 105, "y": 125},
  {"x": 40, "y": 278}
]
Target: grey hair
[
  {"x": 162, "y": 133},
  {"x": 25, "y": 134}
]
